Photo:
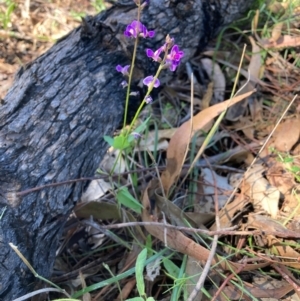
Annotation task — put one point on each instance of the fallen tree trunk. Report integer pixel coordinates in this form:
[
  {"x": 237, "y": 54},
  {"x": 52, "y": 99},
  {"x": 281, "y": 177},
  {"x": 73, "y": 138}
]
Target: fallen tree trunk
[{"x": 61, "y": 105}]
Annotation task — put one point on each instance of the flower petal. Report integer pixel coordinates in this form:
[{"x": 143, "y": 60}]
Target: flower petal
[{"x": 148, "y": 80}]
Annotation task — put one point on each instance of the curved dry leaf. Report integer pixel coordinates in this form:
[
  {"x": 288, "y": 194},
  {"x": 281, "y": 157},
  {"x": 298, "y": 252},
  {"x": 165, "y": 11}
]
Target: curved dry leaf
[
  {"x": 276, "y": 32},
  {"x": 261, "y": 193},
  {"x": 287, "y": 134},
  {"x": 235, "y": 293},
  {"x": 217, "y": 77},
  {"x": 192, "y": 271},
  {"x": 285, "y": 41},
  {"x": 290, "y": 257},
  {"x": 181, "y": 139},
  {"x": 270, "y": 226},
  {"x": 213, "y": 182},
  {"x": 95, "y": 190},
  {"x": 156, "y": 140},
  {"x": 109, "y": 162}
]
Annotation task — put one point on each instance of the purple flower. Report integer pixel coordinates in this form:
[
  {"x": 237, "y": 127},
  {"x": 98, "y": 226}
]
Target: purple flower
[
  {"x": 123, "y": 70},
  {"x": 174, "y": 57},
  {"x": 124, "y": 84},
  {"x": 136, "y": 28},
  {"x": 148, "y": 81},
  {"x": 172, "y": 64},
  {"x": 155, "y": 55},
  {"x": 148, "y": 99},
  {"x": 175, "y": 53},
  {"x": 136, "y": 135}
]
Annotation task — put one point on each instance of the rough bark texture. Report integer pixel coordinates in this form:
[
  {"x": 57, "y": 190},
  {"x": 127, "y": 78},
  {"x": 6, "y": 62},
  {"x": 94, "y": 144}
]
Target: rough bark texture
[{"x": 57, "y": 111}]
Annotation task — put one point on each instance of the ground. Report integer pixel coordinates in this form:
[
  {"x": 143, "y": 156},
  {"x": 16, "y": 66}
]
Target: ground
[{"x": 250, "y": 165}]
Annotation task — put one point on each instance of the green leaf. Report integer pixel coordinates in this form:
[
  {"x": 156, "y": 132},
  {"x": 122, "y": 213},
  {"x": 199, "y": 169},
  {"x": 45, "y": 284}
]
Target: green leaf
[
  {"x": 139, "y": 271},
  {"x": 10, "y": 9},
  {"x": 140, "y": 129},
  {"x": 149, "y": 245},
  {"x": 173, "y": 269},
  {"x": 288, "y": 160},
  {"x": 150, "y": 299},
  {"x": 295, "y": 169},
  {"x": 121, "y": 142},
  {"x": 136, "y": 299},
  {"x": 125, "y": 198},
  {"x": 109, "y": 140}
]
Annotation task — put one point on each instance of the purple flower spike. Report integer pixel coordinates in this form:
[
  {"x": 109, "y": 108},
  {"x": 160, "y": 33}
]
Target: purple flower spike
[
  {"x": 148, "y": 99},
  {"x": 136, "y": 28},
  {"x": 155, "y": 55},
  {"x": 123, "y": 70}
]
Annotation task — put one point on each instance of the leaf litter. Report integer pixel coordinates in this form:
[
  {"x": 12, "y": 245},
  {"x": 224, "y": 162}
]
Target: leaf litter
[{"x": 266, "y": 204}]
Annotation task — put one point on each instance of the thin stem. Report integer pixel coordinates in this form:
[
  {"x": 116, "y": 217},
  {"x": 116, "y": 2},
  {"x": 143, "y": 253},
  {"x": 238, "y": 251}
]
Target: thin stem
[
  {"x": 150, "y": 88},
  {"x": 131, "y": 70}
]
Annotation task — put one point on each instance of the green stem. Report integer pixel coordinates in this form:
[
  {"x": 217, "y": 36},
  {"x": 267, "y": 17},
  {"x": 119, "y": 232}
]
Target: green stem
[
  {"x": 150, "y": 88},
  {"x": 131, "y": 71}
]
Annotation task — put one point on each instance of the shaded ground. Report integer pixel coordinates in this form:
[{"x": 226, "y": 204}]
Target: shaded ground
[{"x": 27, "y": 33}]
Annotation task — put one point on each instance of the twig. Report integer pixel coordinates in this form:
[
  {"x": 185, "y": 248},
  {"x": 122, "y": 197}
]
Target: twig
[
  {"x": 225, "y": 231},
  {"x": 43, "y": 290},
  {"x": 85, "y": 179},
  {"x": 201, "y": 280}
]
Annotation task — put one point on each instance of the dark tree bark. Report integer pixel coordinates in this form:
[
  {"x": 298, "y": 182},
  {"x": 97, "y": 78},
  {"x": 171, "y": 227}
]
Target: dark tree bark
[{"x": 59, "y": 108}]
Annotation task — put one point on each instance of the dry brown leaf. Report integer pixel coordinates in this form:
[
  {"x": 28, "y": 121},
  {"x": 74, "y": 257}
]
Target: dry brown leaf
[
  {"x": 287, "y": 134},
  {"x": 95, "y": 190},
  {"x": 207, "y": 96},
  {"x": 193, "y": 271},
  {"x": 181, "y": 139},
  {"x": 276, "y": 7},
  {"x": 279, "y": 177},
  {"x": 213, "y": 182},
  {"x": 234, "y": 293},
  {"x": 285, "y": 41},
  {"x": 217, "y": 77},
  {"x": 156, "y": 140},
  {"x": 276, "y": 32},
  {"x": 113, "y": 160},
  {"x": 127, "y": 288},
  {"x": 86, "y": 296},
  {"x": 262, "y": 195},
  {"x": 290, "y": 257},
  {"x": 269, "y": 226},
  {"x": 255, "y": 62},
  {"x": 227, "y": 213}
]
